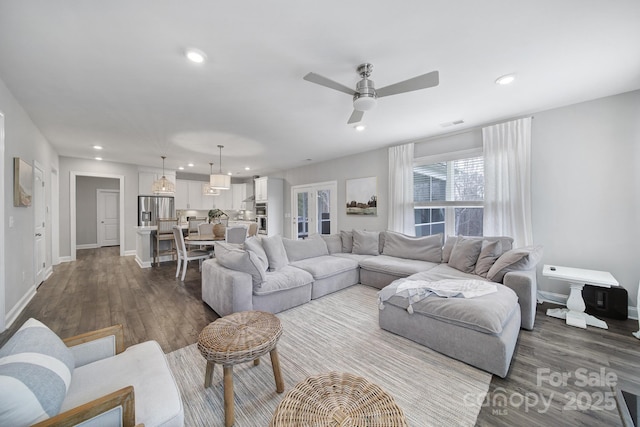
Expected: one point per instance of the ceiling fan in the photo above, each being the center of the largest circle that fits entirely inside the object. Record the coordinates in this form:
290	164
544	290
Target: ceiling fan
365	94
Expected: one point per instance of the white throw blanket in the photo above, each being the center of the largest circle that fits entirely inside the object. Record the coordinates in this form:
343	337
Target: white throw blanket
417	290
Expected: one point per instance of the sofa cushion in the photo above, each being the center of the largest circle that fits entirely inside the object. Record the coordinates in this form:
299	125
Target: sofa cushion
303	249
275	251
145	367
287	277
333	241
515	260
442	272
487	313
254	244
35	374
448	247
326	266
233	258
366	242
352	256
395	266
347	241
490	252
427	248
464	254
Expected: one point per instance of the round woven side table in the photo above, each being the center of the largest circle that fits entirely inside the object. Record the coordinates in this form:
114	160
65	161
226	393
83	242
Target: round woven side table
337	399
237	338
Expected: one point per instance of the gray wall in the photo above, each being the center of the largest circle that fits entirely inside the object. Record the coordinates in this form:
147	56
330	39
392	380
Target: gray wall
87	206
372	163
93	167
24	140
586	188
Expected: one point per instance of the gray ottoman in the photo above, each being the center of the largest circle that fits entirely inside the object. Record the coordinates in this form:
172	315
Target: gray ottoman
480	331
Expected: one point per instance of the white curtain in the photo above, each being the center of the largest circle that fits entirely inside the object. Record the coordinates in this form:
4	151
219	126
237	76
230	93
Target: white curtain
507	177
401	217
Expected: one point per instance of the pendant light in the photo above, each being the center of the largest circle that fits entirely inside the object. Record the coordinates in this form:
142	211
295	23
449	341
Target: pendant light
220	181
207	189
163	185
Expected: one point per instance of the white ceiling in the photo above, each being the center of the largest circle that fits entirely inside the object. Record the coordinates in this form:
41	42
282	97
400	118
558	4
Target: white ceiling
113	72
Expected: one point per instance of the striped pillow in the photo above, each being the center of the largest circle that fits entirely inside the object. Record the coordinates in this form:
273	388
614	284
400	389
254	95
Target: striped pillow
35	372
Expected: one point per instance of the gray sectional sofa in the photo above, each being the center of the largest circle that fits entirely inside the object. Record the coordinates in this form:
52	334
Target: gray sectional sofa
274	274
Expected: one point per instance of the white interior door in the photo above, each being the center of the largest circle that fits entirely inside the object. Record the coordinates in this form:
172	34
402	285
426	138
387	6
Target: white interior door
40	210
108	218
315	209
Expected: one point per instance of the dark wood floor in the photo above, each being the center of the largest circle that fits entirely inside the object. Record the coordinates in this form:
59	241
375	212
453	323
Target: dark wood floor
101	288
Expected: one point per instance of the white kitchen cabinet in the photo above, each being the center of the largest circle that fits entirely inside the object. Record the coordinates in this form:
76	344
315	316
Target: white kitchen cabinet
261	190
224	201
181	198
189	196
238	194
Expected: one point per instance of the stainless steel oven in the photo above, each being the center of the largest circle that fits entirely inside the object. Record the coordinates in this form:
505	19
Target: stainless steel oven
261	209
262	224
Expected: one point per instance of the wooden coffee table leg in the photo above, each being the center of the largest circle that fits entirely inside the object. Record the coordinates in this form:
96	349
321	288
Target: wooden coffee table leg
275	362
256	362
208	375
229	415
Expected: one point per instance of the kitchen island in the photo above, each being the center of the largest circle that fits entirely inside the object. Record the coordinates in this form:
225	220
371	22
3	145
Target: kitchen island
145	243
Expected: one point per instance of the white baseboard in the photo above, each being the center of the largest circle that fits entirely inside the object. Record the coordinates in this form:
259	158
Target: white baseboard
13	314
554	298
48	272
143	264
64	259
88	246
130	253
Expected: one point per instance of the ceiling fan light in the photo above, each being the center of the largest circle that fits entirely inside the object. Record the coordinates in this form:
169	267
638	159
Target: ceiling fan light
364	103
220	181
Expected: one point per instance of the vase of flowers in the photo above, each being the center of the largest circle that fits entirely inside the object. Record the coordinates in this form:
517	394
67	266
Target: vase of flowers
215	216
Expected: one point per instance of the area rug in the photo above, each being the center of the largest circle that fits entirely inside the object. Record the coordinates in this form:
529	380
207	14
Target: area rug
338	332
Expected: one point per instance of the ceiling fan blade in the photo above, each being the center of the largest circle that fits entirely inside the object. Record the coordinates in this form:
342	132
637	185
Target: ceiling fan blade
323	81
356	117
420	82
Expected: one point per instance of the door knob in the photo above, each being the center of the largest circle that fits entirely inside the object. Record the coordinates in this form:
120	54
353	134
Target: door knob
38	235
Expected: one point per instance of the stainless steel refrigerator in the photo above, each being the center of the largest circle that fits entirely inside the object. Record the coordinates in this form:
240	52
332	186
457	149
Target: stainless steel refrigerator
150	208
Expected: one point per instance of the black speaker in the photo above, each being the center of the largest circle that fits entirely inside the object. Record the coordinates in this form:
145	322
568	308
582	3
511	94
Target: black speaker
606	302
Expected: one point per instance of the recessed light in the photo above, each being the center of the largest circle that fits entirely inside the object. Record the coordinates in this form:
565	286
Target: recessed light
98	158
181	168
195	55
97	147
360	128
506	79
191	165
229	173
247	168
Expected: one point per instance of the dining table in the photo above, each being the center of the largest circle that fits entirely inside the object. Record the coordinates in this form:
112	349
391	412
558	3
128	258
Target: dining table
202	239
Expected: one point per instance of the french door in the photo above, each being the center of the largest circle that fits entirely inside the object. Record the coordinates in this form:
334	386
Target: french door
314	209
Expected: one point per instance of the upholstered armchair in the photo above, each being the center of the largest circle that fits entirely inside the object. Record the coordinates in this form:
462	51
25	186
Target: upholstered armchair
89	379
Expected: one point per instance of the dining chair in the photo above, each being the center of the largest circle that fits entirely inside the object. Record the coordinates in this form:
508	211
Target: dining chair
194	223
235	234
184	255
253	229
205	229
164	234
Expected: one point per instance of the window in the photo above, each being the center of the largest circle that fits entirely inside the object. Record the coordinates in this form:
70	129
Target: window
448	196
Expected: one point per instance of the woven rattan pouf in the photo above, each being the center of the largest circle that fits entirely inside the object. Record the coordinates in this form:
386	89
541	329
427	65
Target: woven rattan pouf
237	338
337	399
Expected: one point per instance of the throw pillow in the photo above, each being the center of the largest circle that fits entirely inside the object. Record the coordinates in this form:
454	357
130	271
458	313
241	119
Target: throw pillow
347	241
35	373
276	253
254	244
303	249
520	259
365	242
464	254
448	246
490	252
333	241
248	262
426	248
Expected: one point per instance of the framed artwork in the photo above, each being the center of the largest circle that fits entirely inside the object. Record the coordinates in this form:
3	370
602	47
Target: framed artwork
362	196
22	183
